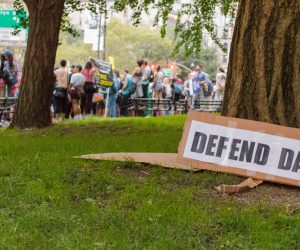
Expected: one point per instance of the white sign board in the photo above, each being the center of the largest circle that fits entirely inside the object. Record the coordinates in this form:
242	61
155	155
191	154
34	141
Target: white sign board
249	148
7	38
91	36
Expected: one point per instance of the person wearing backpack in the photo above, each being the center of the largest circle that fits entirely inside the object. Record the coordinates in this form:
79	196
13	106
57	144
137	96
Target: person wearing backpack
11	72
137	76
127	90
178	87
208	94
198	85
220	84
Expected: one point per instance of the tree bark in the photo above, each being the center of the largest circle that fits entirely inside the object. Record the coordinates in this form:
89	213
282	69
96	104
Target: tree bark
33	108
263	81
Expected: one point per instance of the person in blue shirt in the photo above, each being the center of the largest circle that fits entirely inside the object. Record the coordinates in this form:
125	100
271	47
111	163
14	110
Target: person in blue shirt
208	93
113	94
126	92
199	79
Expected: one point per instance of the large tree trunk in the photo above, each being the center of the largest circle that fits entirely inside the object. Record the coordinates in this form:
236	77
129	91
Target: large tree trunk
33	109
263	81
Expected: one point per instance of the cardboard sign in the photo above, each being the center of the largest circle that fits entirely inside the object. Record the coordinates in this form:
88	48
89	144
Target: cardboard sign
247	148
105	73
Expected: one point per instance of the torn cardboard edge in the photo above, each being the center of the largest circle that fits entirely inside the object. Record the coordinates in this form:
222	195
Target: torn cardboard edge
243	186
168	160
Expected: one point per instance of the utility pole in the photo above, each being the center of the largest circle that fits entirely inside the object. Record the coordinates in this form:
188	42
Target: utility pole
99	34
104	38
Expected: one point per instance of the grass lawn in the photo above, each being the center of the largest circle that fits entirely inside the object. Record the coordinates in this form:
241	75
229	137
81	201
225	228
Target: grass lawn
49	200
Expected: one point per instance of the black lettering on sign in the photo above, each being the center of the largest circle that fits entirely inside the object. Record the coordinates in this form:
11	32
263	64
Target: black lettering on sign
286	159
247	151
199	142
262	154
296	166
221	146
211	144
234	148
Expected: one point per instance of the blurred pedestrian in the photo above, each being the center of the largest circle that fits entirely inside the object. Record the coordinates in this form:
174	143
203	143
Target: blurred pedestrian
137	75
89	88
69	101
220	84
146	79
61	91
126	92
11	72
158	83
198	81
76	91
208	94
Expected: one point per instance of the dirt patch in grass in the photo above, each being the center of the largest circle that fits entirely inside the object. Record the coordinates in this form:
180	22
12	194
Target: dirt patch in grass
269	194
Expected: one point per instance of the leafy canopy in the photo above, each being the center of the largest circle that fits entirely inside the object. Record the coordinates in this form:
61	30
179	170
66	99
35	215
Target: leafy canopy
193	17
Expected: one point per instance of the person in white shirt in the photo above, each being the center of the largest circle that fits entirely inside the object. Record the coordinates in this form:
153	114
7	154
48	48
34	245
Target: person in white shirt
76	91
220	84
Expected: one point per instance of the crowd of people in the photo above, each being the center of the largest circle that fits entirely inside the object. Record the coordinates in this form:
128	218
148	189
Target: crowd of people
77	94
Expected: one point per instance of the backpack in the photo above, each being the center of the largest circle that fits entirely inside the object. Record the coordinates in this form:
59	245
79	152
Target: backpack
178	88
132	88
205	87
209	89
151	76
9	75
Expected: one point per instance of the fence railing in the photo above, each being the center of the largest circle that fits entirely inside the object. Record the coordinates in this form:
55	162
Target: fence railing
167	106
136	106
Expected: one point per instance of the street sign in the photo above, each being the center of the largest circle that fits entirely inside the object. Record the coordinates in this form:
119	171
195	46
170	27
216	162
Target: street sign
7	39
10	19
91	36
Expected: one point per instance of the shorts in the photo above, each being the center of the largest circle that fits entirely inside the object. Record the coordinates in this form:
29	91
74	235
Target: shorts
60	104
76	93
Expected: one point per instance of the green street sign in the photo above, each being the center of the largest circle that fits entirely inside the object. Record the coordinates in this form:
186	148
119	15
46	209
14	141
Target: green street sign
10	19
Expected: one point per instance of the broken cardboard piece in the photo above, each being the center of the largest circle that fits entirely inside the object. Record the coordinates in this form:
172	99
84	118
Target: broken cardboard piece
168	160
259	150
245	185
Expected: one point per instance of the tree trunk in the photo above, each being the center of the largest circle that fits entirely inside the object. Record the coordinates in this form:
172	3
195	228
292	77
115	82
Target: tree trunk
263	81
33	109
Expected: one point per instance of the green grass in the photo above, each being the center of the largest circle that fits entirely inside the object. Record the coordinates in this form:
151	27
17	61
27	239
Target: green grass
49	200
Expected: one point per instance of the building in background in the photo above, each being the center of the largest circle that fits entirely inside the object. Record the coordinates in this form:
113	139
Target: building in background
223	31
